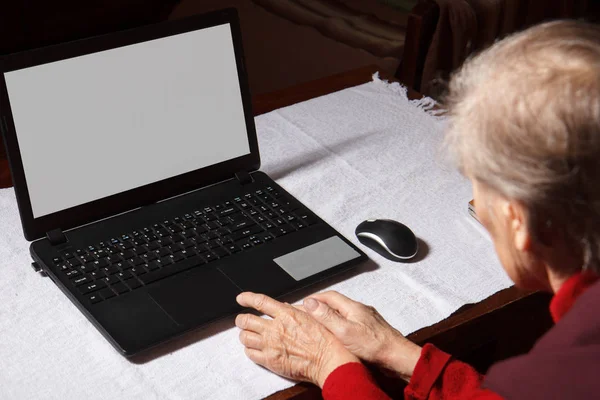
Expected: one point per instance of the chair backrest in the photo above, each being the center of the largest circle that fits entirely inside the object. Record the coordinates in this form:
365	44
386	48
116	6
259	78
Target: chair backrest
431	54
420	28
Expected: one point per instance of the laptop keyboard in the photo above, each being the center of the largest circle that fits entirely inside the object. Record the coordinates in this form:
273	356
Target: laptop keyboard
131	260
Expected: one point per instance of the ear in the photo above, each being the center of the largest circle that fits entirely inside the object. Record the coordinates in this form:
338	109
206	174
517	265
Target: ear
516	218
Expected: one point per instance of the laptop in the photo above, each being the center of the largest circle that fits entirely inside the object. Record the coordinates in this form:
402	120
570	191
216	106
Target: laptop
136	170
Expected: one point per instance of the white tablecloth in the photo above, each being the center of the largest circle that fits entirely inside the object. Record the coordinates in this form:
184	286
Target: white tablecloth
364	152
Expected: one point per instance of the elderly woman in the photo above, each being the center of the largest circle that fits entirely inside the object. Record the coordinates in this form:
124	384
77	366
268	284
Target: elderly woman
525	129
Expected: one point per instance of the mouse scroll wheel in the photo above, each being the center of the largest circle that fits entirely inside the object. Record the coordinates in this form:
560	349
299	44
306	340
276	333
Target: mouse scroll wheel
371	220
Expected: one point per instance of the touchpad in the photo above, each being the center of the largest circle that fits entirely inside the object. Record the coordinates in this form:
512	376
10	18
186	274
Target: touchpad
316	258
197	296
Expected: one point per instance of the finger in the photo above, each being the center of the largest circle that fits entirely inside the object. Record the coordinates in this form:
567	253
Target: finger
251	340
326	315
256	355
262	303
337	301
251	322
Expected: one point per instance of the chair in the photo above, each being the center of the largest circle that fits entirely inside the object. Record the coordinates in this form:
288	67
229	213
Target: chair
440	52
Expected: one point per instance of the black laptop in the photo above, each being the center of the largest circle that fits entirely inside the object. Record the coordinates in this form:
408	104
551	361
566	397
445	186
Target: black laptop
135	163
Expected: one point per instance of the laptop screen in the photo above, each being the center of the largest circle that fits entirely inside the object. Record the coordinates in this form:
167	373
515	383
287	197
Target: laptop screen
96	125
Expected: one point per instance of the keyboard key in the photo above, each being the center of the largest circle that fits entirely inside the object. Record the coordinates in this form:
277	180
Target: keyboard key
57	260
81	280
106	293
208	256
73	273
233	248
95	298
95	275
101	263
212	225
140	250
163	252
190	233
187	225
236	226
89	267
177	238
115	258
139	270
139	241
200	229
92	287
175	228
124	265
246	232
266	237
189	252
148	257
227	211
201	238
308	218
67	255
110	280
211	244
279	221
224	221
177	257
64	266
220	252
182	266
124	275
298	225
133	283
268	225
173	248
113	250
86	258
153	265
127	254
120	288
100	254
111	270
166	261
186	244
153	246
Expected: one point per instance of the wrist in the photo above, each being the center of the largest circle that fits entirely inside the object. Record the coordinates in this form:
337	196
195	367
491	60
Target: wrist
401	357
329	365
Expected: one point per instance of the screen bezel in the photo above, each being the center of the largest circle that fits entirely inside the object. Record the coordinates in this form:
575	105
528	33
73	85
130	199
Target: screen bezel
35	228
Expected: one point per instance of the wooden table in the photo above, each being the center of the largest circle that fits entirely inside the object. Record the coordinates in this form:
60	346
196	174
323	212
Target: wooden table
496	328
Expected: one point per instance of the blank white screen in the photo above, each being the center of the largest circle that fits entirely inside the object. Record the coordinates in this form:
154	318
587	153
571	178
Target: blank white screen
100	124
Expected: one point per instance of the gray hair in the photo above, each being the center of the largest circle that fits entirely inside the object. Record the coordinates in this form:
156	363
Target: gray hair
524	119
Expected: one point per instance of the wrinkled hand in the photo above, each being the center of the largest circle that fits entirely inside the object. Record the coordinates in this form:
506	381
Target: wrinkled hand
364	332
292	344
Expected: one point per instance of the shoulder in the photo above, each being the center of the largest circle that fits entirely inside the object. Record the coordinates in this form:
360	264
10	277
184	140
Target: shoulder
564	362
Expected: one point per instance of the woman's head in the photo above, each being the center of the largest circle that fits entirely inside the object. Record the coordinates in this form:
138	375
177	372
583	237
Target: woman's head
525	128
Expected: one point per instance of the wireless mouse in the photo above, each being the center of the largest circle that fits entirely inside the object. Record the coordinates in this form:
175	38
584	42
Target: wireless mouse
391	239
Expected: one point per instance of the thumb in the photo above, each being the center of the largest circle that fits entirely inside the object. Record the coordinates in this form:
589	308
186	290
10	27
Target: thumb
325	315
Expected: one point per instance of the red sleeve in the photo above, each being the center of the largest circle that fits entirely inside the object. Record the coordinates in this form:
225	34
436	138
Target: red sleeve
437	376
352	381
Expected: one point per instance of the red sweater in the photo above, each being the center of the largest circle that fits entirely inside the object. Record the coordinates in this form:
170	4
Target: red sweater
437	375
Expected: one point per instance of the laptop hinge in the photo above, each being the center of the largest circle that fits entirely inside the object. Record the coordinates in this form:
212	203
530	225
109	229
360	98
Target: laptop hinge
244	177
56	237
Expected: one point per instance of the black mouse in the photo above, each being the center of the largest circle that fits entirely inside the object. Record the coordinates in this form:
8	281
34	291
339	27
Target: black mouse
391	239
